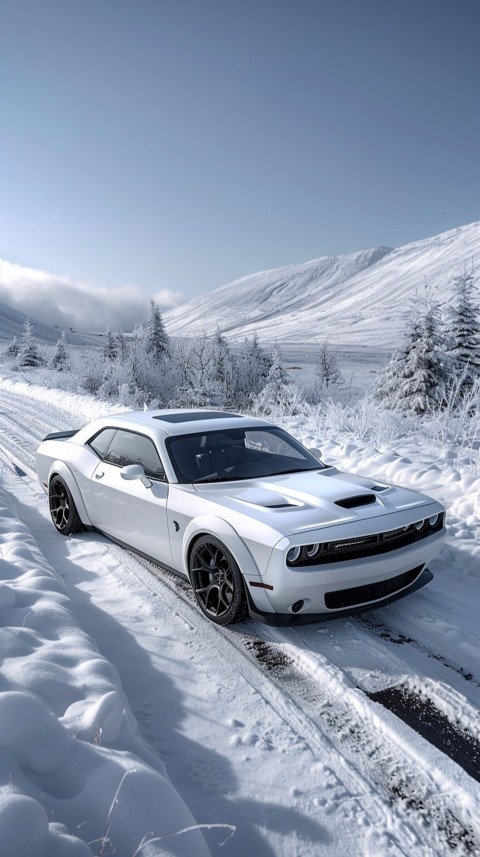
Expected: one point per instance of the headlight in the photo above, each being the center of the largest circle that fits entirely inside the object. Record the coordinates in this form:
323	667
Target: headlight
433	520
293	554
420	525
312	550
304	554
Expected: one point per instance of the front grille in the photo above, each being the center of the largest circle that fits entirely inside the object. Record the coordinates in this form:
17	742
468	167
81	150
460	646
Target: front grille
371	591
357	547
362	542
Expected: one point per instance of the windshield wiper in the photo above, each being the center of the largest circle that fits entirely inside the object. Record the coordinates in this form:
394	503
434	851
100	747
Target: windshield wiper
227	478
294	470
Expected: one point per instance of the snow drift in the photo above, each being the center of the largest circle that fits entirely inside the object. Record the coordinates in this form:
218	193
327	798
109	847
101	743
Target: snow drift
74	771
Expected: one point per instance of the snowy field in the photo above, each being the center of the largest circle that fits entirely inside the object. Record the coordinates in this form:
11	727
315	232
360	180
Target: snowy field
358	365
130	725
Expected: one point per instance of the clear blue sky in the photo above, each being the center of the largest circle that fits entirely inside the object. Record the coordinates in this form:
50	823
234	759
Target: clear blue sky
179	144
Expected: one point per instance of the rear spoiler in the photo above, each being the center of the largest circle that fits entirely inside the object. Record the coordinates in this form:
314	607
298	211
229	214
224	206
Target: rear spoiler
61	435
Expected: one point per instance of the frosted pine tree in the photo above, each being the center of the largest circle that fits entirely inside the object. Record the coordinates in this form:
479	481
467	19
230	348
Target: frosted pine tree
225	368
419	376
29	355
110	347
386	382
397	369
463	330
13	349
156	337
61	356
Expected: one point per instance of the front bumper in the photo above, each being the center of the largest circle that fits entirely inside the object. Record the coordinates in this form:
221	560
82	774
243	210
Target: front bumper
345	585
291	619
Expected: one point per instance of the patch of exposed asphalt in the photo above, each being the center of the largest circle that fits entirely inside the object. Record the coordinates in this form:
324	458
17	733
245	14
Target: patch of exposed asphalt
19	471
419	712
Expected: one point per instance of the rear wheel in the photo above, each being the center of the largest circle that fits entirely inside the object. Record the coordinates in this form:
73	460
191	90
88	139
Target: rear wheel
217	582
62	508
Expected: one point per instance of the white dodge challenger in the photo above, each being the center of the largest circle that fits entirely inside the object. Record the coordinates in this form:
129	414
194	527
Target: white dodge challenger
253	519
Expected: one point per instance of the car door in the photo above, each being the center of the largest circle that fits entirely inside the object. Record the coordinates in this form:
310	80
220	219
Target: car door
128	510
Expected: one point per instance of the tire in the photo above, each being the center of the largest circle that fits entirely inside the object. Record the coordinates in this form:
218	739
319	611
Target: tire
217	582
62	508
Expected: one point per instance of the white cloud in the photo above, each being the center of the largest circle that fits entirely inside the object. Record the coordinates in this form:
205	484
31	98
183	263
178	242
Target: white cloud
166	299
61	301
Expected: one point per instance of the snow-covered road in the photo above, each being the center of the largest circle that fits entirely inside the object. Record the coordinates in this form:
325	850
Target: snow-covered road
282	734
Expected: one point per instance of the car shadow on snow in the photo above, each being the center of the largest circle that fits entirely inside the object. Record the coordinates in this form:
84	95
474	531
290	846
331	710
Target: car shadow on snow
204	777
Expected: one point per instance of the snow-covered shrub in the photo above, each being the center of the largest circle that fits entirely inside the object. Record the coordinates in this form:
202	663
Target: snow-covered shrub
459	422
147	369
151	378
252	366
327	369
90	374
278	396
110	346
365	420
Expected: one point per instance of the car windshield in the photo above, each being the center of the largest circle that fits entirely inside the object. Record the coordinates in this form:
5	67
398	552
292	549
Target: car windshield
231	454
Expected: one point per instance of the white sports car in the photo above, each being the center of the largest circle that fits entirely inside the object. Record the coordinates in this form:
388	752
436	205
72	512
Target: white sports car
254	520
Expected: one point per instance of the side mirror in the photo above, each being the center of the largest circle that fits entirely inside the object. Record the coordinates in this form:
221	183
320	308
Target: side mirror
316	452
135	471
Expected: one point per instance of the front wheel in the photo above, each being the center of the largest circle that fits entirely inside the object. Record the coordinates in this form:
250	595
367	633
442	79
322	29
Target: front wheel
62	508
217	582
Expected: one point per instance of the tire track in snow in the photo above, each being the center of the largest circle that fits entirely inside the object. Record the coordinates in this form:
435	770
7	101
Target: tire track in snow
317	699
385	632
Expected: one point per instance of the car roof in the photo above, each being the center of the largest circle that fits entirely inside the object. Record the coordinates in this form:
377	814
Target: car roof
175	421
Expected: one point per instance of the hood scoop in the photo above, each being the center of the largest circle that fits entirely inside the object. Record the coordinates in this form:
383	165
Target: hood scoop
358	500
266	498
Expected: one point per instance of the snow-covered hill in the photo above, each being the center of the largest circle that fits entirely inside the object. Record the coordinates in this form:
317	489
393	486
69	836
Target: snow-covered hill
357	298
12	321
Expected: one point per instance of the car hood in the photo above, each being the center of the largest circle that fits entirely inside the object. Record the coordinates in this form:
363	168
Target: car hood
305	501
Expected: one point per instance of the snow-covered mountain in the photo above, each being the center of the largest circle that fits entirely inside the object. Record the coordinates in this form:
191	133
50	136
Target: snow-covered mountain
356	298
12	321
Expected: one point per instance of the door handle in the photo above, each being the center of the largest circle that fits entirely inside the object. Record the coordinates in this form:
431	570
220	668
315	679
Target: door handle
99	475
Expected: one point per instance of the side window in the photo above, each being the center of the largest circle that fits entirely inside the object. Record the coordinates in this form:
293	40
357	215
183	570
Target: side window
128	447
101	441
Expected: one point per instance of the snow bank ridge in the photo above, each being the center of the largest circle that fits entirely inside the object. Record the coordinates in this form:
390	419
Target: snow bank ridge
75	776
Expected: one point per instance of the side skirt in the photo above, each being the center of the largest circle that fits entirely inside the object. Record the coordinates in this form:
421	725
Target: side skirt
140	553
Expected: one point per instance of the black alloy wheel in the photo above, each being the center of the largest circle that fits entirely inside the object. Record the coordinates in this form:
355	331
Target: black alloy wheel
217	582
62	508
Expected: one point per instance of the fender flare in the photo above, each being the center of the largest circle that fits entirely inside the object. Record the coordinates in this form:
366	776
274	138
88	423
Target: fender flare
59	468
214	526
221	529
